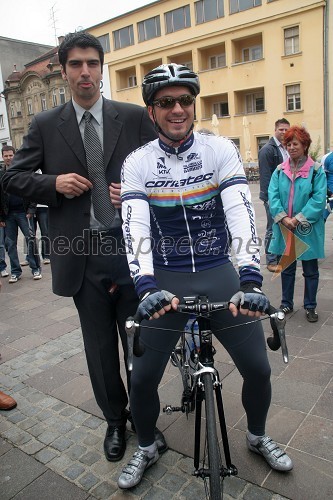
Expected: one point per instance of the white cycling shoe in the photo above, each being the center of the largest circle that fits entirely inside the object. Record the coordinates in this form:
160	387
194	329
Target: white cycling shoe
133	472
272	453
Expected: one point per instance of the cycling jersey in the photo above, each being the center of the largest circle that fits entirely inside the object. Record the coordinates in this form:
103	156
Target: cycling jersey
183	208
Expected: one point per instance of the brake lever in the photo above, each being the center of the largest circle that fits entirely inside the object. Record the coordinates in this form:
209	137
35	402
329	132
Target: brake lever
134	346
278	322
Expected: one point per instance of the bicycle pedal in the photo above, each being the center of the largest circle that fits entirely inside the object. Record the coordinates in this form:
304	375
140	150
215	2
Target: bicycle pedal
171	409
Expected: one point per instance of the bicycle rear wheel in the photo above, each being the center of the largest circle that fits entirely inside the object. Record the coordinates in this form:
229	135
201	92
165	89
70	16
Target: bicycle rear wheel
213	451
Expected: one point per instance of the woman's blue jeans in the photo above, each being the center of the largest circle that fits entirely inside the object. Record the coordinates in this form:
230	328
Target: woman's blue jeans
311	280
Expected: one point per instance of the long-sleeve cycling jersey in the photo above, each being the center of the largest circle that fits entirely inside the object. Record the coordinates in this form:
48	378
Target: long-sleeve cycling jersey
183	209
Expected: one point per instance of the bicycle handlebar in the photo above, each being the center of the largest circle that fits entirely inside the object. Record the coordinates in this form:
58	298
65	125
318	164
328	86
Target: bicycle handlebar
195	306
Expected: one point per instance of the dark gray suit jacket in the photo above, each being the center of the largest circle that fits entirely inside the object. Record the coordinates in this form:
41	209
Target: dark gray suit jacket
54	145
269	158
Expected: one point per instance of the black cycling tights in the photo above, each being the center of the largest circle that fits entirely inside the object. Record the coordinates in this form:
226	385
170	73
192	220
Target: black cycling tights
245	344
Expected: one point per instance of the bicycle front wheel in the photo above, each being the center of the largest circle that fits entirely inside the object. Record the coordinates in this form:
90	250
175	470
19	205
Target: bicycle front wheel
213	451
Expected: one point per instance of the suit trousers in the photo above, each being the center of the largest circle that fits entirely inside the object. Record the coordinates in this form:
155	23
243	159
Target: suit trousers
102	315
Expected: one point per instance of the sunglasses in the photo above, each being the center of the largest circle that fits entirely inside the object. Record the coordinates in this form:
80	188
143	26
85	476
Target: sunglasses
169	102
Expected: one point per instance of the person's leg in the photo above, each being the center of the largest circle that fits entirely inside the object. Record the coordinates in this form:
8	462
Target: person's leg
270	257
27	229
97	313
288	285
42	219
11	235
311	279
246	345
3	264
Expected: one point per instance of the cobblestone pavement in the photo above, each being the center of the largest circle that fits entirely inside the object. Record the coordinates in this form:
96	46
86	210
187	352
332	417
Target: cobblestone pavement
51	444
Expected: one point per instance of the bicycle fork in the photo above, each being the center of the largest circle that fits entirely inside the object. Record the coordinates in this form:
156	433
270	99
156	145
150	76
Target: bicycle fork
229	469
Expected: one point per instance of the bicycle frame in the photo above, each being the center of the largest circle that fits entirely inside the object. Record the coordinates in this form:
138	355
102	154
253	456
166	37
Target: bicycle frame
194	391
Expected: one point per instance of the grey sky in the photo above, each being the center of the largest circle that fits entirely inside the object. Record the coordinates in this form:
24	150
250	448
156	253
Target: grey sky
32	21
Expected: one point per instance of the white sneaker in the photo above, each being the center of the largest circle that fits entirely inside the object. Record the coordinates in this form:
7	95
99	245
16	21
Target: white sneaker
271	452
24	263
37	275
46	261
14	279
4	273
132	474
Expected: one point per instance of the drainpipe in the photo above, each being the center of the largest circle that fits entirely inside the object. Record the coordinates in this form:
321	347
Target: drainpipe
326	80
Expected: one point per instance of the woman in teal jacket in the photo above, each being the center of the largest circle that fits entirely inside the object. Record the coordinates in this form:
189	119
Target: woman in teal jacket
297	196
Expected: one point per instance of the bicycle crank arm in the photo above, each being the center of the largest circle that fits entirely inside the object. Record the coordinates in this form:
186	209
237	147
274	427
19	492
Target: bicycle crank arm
170	409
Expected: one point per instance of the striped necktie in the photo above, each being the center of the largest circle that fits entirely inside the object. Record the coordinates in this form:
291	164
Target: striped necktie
104	210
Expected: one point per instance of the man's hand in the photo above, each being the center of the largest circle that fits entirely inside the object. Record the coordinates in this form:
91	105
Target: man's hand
2	224
72	185
252	301
114	189
156	303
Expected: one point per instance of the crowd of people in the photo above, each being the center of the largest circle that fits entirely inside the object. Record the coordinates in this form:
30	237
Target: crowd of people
81	169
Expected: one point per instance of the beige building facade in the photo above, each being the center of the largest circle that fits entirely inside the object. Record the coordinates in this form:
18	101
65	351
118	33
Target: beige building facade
35	89
258	60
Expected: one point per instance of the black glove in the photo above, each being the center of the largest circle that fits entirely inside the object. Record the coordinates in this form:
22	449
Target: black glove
251	297
152	301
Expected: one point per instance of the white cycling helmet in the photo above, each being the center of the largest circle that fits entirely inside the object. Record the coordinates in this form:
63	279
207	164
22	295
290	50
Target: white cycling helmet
168	75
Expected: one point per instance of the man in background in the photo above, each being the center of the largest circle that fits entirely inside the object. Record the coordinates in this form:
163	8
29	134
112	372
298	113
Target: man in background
16	212
270	156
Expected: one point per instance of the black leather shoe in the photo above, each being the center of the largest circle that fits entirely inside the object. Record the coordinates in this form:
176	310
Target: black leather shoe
159	437
160	441
115	442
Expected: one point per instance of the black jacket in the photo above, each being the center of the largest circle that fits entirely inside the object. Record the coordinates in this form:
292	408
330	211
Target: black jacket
54	145
29	206
269	158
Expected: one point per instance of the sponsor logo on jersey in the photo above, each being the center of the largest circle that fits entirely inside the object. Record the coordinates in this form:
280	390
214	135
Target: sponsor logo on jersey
193	166
206	205
181	183
162	170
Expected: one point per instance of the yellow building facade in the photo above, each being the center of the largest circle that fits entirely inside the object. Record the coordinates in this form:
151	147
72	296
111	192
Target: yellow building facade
258	60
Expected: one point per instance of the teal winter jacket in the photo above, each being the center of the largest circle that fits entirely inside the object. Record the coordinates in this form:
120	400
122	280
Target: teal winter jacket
303	197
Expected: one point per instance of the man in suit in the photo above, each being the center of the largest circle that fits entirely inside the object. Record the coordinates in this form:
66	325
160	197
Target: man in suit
88	258
269	157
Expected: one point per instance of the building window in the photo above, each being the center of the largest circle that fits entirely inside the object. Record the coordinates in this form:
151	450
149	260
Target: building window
239	5
178	19
208	10
12	111
217	61
291	40
150	28
29	107
252	53
105	42
254	103
221	109
188	64
132	81
261	141
293	97
2	123
235	140
62	95
43	102
123	37
54	98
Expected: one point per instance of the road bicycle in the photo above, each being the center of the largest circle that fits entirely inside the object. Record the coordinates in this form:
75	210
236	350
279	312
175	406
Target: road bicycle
194	357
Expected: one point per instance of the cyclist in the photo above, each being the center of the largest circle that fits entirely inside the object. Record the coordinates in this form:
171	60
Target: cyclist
185	200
